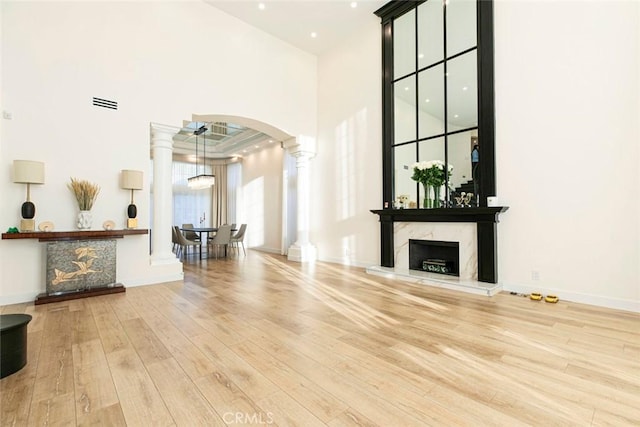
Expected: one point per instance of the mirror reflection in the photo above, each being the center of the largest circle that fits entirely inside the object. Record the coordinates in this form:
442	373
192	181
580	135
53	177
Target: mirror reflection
404	109
431	101
462	92
405	187
461	26
431	34
404	45
446	107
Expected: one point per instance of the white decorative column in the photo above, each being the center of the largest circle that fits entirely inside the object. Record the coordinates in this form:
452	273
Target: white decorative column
303	149
162	147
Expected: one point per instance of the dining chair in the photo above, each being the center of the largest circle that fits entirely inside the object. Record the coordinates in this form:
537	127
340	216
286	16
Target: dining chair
184	243
174	240
222	238
239	238
191	235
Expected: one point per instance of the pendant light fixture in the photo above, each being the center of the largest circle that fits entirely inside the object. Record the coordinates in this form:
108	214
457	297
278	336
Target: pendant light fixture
202	180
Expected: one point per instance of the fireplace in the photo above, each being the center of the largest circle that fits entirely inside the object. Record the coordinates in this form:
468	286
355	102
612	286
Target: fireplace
434	256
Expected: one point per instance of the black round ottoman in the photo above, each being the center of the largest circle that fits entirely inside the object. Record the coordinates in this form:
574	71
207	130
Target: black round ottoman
13	342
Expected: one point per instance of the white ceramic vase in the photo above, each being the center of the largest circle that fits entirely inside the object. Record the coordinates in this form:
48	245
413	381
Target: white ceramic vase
84	220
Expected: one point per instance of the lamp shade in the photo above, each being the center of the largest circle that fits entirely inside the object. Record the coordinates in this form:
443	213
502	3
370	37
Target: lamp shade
132	180
28	172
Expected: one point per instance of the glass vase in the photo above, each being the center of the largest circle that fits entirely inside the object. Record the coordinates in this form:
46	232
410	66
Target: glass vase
436	196
427	203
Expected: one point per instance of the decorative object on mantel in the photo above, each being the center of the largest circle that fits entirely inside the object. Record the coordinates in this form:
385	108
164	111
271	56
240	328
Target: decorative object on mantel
28	172
464	200
85	193
403	201
109	225
132	180
13	230
46	226
432	176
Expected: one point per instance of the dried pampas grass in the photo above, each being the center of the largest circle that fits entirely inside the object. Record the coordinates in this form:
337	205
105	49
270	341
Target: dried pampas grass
85	192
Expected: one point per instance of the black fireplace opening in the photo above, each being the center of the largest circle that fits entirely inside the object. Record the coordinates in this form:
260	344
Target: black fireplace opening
434	256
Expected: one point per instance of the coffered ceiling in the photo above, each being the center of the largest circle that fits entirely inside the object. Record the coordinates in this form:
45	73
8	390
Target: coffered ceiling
219	140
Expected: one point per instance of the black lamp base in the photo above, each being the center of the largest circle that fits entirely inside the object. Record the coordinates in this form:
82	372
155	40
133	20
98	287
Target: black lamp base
28	210
132	212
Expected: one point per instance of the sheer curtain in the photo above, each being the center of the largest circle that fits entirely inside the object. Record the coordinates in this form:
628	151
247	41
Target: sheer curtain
219	201
190	206
234	189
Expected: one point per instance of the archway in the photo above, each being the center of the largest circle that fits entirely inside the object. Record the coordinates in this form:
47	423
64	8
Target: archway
295	203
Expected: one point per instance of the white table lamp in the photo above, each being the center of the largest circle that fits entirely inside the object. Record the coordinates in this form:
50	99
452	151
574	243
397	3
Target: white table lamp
132	180
28	172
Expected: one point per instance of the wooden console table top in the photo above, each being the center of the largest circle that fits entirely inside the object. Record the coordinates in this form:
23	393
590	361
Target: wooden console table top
47	236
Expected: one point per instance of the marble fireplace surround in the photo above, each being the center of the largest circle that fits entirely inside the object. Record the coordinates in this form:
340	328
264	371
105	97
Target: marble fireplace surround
475	229
464	234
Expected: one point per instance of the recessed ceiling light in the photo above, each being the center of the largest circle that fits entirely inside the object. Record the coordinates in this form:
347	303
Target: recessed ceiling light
244	151
354	4
465	88
421	55
255	146
261	6
314	35
427	100
456	116
406	88
271	141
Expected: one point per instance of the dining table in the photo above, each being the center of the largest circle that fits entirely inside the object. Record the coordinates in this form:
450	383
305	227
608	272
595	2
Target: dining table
206	230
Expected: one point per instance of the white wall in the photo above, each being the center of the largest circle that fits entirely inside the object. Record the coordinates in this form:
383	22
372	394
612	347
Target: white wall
163	62
346	176
566	113
567	118
261	206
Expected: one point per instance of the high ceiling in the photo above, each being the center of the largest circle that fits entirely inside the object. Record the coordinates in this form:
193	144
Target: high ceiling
294	20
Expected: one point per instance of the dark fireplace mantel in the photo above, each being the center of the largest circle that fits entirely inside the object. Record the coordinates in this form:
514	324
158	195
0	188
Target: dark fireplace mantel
486	219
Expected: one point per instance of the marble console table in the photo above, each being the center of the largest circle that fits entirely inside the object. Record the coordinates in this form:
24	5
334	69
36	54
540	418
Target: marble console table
63	285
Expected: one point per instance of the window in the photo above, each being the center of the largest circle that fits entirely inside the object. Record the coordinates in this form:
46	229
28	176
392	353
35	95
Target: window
190	206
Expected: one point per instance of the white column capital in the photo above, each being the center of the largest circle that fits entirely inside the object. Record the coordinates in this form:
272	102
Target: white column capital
162	135
300	146
160	128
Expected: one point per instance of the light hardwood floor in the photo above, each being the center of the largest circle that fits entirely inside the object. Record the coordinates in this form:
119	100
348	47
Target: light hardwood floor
257	340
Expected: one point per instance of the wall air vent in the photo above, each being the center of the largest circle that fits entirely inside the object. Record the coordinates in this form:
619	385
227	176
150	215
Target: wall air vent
105	103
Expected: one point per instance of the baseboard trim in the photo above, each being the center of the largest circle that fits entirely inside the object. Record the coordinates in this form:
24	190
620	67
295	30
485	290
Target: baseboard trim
267	250
597	300
18	298
345	261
